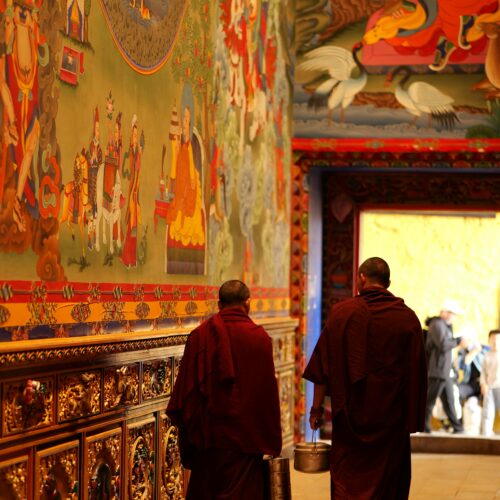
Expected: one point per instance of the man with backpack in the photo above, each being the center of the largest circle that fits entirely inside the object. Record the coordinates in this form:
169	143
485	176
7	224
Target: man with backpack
439	343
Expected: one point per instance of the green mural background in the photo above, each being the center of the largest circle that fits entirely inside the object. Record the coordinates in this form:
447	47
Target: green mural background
244	145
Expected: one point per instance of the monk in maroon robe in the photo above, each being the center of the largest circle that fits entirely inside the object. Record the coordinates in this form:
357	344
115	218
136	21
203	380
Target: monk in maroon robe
370	360
226	403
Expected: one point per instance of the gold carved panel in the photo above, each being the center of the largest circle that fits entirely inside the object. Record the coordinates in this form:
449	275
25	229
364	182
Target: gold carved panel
103	467
283	348
177	365
79	395
290	348
121	386
27	404
14	479
57	472
156	378
141	460
171	471
285	384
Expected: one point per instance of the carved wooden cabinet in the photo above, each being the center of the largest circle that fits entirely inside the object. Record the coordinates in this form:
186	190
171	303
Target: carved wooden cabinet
86	420
103	464
14	477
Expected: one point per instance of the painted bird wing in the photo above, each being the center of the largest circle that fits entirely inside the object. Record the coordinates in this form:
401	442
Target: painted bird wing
327	86
428	96
337	61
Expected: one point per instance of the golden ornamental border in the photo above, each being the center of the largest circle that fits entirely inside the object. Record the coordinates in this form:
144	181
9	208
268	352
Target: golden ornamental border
43	355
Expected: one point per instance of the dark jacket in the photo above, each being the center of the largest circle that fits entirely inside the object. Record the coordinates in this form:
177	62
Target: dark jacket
438	346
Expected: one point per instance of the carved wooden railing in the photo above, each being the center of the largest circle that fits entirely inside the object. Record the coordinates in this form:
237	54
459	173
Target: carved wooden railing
86	415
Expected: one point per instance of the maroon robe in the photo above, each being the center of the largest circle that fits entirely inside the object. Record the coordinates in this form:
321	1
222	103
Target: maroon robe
226	404
371	358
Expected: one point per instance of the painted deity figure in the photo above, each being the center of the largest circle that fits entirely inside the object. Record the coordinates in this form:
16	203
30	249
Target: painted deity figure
235	29
109	186
185	216
113	162
450	28
133	215
19	90
115	146
254	46
94	159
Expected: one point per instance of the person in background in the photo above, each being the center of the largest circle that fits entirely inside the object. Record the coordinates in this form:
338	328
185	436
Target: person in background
438	346
370	360
226	402
490	383
469	365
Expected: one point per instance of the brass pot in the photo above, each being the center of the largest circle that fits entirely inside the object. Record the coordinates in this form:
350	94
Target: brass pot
312	457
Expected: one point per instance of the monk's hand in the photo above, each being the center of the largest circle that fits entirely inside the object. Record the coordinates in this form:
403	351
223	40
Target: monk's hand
316	417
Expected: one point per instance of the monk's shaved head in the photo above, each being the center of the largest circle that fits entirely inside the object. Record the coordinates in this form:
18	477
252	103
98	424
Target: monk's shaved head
233	293
376	271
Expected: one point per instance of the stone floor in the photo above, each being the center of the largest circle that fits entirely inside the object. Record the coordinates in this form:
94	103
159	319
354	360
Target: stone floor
435	477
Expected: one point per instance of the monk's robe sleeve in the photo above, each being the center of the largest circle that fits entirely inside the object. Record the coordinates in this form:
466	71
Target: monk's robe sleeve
272	427
339	358
184	385
317	368
417	393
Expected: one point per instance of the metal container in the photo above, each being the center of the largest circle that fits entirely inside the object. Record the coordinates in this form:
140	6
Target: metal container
278	479
312	457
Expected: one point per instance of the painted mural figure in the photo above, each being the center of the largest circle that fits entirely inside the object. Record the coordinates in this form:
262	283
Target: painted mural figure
112	198
185	216
450	28
235	29
19	92
255	76
280	167
94	163
133	216
74	26
115	143
75	197
252	74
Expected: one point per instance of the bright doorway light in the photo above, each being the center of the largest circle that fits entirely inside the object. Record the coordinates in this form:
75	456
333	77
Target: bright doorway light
439	255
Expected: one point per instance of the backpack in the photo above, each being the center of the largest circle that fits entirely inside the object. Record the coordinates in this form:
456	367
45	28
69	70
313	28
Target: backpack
428	345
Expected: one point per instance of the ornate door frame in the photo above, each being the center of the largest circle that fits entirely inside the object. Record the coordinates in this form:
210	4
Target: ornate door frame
359	174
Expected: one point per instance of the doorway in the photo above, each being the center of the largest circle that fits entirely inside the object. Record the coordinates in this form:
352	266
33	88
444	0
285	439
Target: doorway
345	194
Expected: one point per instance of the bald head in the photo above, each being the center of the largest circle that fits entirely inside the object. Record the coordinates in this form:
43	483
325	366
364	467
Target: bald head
374	272
233	293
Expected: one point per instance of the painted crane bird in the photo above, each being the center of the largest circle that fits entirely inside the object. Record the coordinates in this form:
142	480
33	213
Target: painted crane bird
420	97
341	85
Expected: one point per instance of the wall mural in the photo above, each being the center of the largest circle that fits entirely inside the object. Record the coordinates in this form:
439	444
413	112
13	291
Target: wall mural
251	151
144	31
165	168
404	69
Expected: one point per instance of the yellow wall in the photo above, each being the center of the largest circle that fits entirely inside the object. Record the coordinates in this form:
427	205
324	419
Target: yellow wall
433	257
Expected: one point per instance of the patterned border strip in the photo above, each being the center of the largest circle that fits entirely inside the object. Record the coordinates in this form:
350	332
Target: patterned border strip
298	286
15	359
60	317
396	145
13	291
